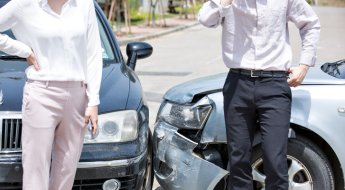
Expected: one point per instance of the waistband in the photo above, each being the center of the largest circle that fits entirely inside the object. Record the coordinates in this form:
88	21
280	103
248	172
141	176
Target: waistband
61	84
261	73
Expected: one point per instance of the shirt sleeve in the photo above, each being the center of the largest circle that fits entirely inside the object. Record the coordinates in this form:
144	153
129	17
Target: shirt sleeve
94	58
8	19
300	13
14	47
212	13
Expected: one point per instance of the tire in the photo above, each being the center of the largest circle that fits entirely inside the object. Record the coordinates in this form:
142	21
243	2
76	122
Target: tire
308	167
148	179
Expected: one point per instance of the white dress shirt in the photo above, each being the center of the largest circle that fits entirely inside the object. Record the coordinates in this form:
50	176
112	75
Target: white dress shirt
67	45
255	33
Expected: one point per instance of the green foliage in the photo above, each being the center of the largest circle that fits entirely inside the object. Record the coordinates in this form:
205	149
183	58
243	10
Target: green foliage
134	4
137	17
189	9
337	3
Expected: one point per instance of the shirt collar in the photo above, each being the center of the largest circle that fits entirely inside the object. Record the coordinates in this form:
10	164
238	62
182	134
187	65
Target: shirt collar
44	3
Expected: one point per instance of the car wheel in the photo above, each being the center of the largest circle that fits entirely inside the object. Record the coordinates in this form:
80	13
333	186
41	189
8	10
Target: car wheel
148	177
308	167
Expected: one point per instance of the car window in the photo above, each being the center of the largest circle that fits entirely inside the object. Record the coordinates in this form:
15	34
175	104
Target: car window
336	69
107	51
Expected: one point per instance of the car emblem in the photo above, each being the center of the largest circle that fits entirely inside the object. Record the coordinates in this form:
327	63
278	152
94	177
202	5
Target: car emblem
1	98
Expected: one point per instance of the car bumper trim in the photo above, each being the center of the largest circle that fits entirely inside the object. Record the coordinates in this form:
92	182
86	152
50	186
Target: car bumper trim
112	163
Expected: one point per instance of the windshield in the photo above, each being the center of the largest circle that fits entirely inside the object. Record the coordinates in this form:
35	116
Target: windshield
336	69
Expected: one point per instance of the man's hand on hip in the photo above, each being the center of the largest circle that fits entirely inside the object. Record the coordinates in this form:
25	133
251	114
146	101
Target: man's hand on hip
298	74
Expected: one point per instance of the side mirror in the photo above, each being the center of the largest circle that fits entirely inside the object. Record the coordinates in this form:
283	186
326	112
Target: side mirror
137	50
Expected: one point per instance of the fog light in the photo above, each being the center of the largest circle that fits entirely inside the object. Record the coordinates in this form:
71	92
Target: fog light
112	184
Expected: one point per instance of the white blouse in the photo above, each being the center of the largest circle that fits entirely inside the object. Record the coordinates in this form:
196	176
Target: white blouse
67	46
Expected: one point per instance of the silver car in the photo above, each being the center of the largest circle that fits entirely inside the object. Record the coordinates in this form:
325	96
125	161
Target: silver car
190	141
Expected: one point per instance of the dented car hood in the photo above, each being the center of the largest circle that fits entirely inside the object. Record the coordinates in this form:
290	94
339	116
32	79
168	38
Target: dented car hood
186	92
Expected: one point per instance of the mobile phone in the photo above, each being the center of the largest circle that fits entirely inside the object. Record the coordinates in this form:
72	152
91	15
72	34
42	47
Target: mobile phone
90	129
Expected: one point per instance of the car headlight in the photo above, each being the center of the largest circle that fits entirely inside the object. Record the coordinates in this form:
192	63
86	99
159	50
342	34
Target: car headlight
121	126
186	116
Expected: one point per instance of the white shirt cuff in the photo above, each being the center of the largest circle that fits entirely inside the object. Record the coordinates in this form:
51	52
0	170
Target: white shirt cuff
308	59
222	10
93	100
26	52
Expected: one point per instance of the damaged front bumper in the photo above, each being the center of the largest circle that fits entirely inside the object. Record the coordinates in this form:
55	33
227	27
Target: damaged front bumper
176	166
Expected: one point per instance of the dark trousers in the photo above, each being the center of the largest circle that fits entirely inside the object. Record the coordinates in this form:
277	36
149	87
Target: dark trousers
248	101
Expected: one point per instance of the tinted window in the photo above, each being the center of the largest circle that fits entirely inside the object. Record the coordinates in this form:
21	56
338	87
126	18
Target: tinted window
107	51
336	69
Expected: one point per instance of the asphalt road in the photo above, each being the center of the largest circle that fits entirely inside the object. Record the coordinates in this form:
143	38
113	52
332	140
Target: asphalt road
196	52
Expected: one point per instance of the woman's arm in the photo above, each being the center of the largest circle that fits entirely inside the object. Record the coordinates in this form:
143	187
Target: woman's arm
94	67
212	12
94	58
8	15
14	47
8	19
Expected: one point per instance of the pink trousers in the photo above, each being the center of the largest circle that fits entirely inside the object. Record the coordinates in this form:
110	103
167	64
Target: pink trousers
52	134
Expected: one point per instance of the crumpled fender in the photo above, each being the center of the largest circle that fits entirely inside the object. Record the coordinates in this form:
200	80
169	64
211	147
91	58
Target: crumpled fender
189	171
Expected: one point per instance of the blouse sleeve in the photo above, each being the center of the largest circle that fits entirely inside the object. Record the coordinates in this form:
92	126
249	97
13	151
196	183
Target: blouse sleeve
94	58
14	47
8	19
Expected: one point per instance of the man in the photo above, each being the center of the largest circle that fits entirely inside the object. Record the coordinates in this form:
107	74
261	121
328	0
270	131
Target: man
256	48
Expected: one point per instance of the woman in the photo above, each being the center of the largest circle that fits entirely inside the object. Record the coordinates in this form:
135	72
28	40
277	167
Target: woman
60	40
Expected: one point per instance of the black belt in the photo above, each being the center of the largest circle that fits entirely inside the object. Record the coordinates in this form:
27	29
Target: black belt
260	73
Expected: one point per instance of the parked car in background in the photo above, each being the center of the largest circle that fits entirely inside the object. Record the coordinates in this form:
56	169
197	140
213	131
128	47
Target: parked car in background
189	140
119	156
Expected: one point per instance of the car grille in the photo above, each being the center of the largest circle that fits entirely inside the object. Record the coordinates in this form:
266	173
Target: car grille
10	135
10	186
127	183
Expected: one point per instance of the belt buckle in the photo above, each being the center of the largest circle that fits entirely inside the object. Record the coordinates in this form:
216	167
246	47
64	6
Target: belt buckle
252	74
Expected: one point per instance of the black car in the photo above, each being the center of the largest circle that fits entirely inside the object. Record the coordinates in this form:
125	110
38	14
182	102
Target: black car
119	156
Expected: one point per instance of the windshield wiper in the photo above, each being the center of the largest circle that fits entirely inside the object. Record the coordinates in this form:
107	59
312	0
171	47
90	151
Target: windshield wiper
11	57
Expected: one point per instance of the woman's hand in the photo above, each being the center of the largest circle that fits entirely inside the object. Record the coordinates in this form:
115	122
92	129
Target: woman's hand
33	61
91	114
